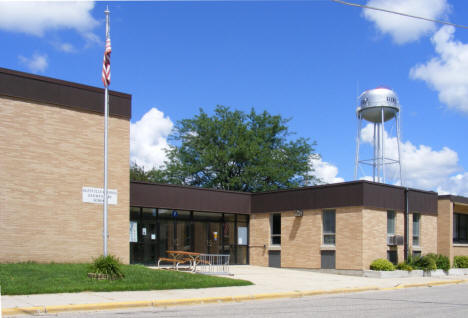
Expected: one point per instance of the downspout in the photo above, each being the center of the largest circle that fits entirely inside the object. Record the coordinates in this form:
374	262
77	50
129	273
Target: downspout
406	245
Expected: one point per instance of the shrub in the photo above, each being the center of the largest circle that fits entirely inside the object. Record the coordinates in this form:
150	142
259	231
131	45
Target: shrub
442	261
460	262
404	267
381	264
426	263
108	265
412	259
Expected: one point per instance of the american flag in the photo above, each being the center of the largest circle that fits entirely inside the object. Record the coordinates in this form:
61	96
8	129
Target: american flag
106	74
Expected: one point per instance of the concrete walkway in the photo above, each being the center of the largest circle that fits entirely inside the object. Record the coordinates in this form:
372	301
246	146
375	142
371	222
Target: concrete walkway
268	283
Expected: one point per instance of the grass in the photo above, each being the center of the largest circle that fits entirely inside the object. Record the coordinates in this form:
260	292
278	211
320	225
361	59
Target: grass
34	278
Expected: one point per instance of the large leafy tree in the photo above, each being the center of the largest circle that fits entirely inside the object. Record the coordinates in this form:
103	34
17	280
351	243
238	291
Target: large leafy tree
233	150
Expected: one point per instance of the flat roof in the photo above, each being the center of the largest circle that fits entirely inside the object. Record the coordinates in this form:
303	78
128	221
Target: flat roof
355	193
57	92
454	198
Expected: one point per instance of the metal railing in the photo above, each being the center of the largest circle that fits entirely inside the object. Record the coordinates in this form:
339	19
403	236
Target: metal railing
214	264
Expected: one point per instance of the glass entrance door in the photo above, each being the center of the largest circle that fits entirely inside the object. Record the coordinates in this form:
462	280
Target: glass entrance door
200	237
214	238
148	234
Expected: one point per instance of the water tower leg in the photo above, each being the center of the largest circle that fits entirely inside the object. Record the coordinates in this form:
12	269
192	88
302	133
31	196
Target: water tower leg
358	141
383	148
397	118
377	155
375	149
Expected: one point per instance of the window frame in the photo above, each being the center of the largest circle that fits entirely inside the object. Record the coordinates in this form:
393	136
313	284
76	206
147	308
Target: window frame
458	228
419	230
273	235
328	233
393	219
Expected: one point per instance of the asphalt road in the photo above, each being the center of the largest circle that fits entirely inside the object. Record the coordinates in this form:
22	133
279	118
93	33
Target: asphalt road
437	301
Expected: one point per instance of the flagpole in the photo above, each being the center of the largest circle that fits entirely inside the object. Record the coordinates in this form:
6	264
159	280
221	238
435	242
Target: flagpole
106	115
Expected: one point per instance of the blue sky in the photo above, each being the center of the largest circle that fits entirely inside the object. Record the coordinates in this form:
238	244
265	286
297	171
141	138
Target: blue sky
304	60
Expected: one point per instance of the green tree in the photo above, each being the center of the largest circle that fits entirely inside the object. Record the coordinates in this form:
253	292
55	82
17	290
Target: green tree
138	173
232	150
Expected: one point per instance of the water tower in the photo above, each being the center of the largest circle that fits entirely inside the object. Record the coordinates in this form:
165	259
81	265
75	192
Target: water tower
378	106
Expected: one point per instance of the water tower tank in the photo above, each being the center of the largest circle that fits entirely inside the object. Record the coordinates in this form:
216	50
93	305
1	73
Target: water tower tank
378	106
373	101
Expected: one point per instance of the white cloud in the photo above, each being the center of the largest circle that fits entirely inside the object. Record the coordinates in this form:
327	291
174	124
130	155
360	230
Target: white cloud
423	167
404	29
457	184
66	47
325	171
37	63
148	139
37	17
448	72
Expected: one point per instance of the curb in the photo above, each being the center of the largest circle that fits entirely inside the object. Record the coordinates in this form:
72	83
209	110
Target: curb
209	300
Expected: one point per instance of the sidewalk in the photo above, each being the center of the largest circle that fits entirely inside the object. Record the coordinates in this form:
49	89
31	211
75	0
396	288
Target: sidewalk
269	283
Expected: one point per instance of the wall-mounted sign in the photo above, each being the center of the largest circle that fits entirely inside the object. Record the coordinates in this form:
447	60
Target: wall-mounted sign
96	195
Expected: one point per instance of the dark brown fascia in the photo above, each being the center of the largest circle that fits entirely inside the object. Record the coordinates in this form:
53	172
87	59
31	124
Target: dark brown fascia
355	193
154	195
454	198
52	91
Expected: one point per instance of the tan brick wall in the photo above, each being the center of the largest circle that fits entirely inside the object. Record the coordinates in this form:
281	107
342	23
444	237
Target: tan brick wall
427	234
259	235
445	228
48	154
374	235
301	238
459	251
349	238
361	237
400	230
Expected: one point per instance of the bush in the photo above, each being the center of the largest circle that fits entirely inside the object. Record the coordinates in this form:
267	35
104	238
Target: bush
442	261
381	264
426	263
108	265
404	267
460	262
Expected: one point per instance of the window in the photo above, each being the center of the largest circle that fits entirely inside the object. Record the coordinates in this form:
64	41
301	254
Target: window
329	221
416	228
390	223
275	222
460	228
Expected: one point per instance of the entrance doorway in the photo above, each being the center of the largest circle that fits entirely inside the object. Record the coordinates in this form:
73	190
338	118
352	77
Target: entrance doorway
160	230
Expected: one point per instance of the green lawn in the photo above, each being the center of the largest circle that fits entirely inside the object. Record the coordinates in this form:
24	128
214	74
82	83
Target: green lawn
33	278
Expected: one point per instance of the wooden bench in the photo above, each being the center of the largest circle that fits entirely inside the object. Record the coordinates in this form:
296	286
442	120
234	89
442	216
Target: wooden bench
175	261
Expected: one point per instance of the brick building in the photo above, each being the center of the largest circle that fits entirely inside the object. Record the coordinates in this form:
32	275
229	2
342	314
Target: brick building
52	153
51	145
